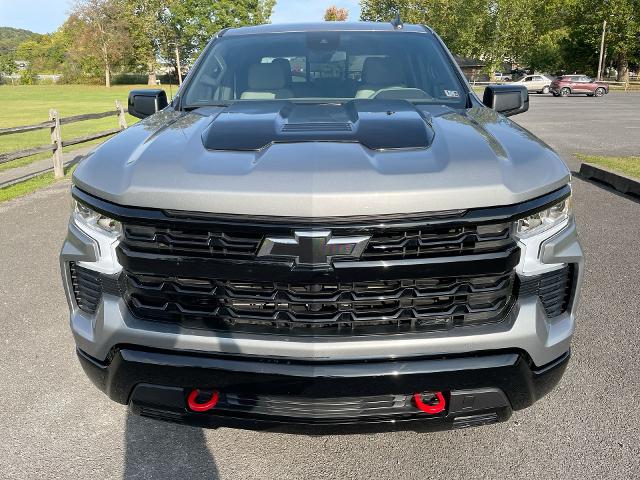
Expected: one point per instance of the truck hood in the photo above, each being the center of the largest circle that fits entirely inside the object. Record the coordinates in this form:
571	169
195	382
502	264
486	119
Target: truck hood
361	158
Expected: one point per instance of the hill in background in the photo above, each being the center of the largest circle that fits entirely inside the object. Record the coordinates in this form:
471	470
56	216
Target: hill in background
10	38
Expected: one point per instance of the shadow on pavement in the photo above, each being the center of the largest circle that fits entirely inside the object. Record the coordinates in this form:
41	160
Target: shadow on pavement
163	450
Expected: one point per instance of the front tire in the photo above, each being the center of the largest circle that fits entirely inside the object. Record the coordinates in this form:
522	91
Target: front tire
545	90
599	92
565	91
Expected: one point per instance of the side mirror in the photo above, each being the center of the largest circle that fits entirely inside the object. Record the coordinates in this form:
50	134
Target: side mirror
144	103
506	99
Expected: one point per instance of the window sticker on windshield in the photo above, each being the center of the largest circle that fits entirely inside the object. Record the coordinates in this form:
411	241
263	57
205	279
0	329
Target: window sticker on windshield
451	93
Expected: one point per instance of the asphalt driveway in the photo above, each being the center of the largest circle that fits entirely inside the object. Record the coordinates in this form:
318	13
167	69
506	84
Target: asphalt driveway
55	424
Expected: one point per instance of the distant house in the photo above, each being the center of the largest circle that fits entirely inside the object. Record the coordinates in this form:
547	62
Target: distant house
472	68
21	64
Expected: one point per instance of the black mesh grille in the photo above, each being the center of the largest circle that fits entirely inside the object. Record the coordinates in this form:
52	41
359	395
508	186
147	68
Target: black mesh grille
385	244
554	289
323	309
319	409
87	287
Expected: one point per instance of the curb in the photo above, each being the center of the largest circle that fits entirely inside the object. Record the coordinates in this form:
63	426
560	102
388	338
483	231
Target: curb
618	181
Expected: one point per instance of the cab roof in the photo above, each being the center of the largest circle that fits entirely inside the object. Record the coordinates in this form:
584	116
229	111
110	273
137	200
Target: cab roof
325	27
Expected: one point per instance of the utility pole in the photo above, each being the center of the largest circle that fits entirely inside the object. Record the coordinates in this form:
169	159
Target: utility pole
178	65
600	61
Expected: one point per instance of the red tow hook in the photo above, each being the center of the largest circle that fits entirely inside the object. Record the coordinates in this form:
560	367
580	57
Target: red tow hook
428	408
202	407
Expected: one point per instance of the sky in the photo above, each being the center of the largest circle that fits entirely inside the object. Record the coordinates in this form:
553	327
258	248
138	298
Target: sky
44	16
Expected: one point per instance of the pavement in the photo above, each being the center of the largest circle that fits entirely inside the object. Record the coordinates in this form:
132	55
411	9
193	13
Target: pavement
55	424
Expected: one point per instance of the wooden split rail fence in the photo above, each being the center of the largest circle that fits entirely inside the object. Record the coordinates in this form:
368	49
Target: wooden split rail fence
55	124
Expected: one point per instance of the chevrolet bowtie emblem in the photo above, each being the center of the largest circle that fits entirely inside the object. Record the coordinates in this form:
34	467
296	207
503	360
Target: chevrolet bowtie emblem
313	248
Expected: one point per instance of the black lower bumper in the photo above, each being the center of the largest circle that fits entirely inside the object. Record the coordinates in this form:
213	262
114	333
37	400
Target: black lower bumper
274	394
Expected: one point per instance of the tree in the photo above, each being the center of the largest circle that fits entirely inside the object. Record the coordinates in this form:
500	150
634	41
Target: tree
495	31
335	14
165	29
195	22
7	65
45	53
149	30
101	31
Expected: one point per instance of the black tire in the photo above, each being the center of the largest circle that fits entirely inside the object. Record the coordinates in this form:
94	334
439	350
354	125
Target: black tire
600	91
565	91
555	94
545	90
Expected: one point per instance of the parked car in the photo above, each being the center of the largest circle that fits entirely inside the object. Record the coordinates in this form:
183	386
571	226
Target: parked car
262	252
535	83
502	77
578	84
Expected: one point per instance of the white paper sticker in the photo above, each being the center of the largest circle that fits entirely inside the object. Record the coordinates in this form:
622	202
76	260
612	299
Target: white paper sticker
452	93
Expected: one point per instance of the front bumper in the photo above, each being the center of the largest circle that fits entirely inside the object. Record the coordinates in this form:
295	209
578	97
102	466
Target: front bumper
479	389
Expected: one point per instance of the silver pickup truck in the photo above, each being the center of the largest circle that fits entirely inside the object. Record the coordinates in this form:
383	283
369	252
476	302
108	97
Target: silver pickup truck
325	226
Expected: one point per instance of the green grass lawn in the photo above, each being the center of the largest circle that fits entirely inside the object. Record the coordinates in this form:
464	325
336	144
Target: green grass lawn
628	165
29	104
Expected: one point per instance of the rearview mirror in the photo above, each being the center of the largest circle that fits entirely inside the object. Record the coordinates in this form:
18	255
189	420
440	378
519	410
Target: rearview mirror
144	103
507	99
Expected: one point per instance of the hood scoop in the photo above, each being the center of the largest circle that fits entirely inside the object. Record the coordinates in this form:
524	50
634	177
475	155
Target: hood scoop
376	124
317	127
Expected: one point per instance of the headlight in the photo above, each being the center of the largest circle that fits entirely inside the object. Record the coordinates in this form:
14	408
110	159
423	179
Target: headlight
85	217
544	220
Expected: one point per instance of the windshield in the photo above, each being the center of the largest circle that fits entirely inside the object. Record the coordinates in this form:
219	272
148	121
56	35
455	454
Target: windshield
325	66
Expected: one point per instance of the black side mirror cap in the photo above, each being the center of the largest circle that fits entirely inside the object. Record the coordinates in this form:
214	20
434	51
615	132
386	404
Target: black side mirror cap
507	99
144	103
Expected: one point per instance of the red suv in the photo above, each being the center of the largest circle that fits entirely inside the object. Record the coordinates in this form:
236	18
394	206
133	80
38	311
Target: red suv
572	84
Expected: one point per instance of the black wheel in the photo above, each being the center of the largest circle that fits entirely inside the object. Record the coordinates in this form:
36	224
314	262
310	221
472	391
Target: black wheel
555	94
545	90
565	91
599	92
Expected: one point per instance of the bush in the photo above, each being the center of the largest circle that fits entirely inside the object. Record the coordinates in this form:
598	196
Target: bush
129	79
141	79
28	77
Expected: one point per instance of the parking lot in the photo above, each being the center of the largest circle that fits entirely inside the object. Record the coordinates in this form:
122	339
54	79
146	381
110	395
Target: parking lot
55	424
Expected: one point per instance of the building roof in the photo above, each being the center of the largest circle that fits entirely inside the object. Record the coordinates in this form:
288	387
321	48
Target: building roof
324	27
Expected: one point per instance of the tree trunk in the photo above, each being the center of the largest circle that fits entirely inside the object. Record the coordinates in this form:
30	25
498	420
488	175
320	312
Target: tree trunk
152	74
107	76
623	68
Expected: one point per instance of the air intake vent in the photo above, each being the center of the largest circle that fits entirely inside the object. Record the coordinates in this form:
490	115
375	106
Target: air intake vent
317	127
89	285
87	288
553	288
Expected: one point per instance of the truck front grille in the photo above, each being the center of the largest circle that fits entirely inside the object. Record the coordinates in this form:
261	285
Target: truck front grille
415	275
225	242
436	303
